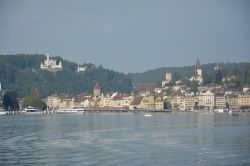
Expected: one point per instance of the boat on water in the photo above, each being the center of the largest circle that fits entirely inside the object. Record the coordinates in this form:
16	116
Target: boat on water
69	110
147	115
3	113
32	110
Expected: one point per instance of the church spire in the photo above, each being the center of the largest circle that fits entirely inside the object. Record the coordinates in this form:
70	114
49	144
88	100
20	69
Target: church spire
198	64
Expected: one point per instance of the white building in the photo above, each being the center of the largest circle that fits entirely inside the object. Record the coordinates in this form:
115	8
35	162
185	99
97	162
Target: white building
168	78
51	65
81	68
198	73
206	99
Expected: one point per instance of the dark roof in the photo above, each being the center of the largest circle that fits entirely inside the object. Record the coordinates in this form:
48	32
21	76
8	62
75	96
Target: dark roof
137	100
145	87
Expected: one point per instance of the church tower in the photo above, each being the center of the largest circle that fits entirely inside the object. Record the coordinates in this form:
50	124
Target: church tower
198	70
97	90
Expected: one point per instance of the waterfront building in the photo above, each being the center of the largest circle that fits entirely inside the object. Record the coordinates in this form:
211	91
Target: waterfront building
159	103
206	99
189	102
148	102
220	101
232	100
137	102
66	102
178	101
51	64
244	99
53	101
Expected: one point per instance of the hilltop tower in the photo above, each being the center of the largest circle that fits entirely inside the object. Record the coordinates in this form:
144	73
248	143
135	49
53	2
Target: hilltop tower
168	78
97	90
198	70
198	73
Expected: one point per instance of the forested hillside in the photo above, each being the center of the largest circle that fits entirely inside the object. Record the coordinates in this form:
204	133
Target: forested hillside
152	76
22	73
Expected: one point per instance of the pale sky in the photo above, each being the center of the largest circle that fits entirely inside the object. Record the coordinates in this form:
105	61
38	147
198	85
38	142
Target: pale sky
128	35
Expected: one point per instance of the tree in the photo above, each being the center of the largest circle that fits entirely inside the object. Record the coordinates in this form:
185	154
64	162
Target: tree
207	78
218	77
167	104
10	101
34	102
194	86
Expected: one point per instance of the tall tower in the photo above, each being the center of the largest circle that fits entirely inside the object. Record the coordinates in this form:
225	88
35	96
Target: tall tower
97	90
198	70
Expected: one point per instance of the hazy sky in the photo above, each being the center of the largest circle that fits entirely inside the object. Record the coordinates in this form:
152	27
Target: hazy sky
128	35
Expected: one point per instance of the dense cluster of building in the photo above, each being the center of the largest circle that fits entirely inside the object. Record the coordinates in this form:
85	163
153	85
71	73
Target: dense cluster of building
156	98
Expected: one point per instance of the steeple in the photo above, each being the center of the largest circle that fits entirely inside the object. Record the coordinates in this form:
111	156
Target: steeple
198	64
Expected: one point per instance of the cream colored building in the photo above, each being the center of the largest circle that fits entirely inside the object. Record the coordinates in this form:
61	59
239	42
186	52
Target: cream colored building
148	102
189	102
244	99
232	100
53	101
67	102
220	101
206	99
178	102
159	103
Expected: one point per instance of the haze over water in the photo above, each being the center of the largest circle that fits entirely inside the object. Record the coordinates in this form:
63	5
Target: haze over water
126	139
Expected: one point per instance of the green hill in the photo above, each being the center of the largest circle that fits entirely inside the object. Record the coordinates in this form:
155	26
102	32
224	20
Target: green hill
22	73
155	75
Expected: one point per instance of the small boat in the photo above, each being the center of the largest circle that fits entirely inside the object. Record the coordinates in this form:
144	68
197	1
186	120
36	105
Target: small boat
3	113
147	115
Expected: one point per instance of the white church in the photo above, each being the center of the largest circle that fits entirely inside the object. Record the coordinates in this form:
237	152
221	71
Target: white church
198	73
51	64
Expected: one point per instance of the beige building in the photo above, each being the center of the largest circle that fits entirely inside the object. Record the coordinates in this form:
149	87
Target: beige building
206	99
220	101
244	99
178	101
66	102
232	100
189	102
148	102
159	103
53	101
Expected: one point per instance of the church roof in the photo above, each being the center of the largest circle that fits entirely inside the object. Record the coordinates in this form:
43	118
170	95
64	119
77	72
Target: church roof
198	64
97	86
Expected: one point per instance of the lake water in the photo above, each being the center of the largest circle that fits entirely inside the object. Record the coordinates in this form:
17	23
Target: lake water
175	139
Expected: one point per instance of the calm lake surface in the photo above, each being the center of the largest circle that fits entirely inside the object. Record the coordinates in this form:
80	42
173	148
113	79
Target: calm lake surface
176	139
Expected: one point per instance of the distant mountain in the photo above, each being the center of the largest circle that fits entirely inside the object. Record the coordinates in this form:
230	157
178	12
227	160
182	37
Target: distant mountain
152	76
22	73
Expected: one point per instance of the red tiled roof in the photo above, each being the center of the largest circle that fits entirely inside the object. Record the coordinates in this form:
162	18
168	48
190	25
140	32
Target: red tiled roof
97	86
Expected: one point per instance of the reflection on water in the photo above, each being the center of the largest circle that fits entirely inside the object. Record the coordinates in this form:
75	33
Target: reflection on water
125	139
